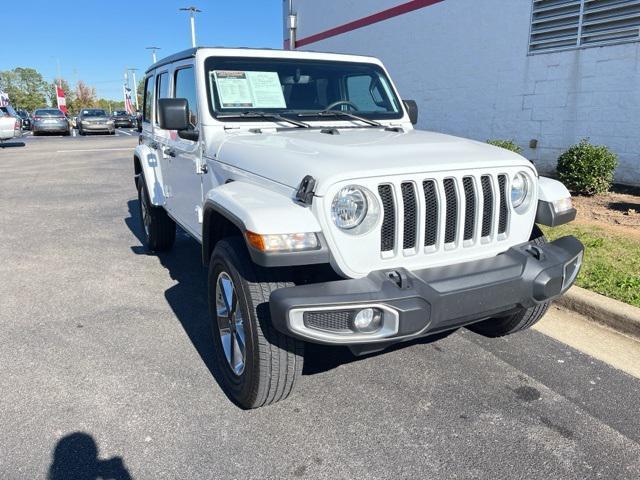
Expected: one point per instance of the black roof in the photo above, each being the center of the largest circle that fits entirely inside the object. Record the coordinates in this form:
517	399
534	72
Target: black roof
191	52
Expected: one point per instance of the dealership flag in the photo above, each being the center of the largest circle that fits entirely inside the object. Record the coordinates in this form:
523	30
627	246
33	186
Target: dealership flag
127	100
62	103
4	99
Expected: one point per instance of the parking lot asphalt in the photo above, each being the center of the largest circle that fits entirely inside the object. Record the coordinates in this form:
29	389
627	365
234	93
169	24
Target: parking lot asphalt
106	365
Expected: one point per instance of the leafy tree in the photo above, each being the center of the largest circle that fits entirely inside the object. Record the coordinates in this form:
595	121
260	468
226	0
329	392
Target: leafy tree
85	95
26	88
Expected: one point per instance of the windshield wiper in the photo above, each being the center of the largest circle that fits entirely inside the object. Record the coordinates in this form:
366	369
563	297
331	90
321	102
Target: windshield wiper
265	115
337	113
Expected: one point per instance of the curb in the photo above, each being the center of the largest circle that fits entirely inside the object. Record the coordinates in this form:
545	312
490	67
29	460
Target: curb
612	313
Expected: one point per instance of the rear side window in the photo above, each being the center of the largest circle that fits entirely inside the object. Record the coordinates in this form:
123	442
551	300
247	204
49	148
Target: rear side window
148	99
185	87
162	89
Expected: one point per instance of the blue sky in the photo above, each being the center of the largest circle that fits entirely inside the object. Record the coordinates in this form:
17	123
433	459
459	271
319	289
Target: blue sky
96	39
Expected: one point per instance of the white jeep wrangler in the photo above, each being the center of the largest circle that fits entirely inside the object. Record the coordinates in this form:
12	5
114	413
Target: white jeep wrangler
325	217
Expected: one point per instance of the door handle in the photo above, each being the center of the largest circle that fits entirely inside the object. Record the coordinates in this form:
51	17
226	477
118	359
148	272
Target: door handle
170	152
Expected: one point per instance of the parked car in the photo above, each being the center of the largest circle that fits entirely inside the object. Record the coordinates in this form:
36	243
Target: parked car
50	120
122	119
326	217
95	120
10	123
26	119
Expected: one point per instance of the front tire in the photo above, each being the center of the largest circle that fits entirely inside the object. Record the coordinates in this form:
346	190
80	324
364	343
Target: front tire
259	365
159	228
521	320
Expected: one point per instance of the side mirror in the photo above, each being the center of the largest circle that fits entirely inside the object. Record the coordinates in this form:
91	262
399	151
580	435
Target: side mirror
173	113
412	110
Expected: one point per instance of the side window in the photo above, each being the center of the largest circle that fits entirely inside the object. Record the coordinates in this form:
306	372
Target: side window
162	89
185	83
148	99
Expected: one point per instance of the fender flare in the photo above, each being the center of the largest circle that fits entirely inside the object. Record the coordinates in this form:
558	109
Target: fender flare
150	170
250	207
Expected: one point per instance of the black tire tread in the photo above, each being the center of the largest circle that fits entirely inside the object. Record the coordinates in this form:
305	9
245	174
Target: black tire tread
522	320
162	231
281	357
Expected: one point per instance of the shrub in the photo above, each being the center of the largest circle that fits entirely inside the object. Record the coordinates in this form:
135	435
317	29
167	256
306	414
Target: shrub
586	168
508	144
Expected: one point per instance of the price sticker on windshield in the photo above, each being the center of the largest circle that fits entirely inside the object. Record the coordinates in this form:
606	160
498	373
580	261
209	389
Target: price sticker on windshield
238	89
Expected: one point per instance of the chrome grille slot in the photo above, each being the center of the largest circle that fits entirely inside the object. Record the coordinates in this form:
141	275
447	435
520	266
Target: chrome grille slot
504	209
425	216
431	213
451	220
469	208
410	204
487	201
388	233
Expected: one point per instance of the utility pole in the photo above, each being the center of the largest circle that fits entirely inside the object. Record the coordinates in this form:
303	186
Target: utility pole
135	85
192	14
292	23
153	52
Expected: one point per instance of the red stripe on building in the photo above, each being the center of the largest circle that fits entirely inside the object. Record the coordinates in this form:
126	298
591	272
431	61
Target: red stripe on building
371	19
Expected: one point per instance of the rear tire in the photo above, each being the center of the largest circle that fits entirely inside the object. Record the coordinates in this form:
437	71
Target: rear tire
521	320
272	362
159	229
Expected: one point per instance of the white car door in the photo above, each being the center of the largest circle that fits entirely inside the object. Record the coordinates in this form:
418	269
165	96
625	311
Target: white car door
185	174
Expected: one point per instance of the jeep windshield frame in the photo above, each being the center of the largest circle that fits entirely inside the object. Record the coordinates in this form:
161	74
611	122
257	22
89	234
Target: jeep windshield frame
295	88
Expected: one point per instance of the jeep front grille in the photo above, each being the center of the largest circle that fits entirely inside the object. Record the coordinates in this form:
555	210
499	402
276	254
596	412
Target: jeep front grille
446	213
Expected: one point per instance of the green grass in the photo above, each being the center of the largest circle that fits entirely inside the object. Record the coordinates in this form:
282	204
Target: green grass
611	261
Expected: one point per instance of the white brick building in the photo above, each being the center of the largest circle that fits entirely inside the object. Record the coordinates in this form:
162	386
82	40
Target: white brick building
551	70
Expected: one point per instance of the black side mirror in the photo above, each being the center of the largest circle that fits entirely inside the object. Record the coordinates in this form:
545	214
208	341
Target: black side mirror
173	113
412	110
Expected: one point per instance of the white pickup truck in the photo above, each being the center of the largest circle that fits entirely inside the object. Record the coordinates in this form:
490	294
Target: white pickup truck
325	217
10	124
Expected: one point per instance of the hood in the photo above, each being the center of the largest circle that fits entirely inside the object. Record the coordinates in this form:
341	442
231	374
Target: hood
287	156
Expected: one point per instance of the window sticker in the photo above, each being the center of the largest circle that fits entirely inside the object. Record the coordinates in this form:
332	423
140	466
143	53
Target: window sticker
238	89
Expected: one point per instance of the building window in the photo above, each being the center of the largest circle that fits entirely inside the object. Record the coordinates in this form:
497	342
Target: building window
562	24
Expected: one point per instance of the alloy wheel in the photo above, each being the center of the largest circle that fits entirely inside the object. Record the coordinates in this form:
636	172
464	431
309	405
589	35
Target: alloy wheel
230	323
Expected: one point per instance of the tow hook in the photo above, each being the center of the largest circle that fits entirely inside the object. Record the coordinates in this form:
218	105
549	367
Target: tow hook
400	279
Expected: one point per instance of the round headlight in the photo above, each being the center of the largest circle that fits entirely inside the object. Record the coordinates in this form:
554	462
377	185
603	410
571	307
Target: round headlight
349	207
519	189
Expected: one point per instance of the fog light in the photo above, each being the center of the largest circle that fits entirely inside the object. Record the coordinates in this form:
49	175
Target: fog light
367	320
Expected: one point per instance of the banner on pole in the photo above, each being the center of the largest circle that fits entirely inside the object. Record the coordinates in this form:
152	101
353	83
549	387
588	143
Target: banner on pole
62	102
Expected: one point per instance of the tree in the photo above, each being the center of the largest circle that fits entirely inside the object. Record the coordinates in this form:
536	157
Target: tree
85	95
26	88
140	90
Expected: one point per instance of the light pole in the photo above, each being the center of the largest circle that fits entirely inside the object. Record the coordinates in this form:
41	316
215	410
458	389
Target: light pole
192	14
153	52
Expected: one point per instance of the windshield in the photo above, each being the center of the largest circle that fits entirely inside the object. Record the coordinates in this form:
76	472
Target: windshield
119	113
290	87
93	113
49	112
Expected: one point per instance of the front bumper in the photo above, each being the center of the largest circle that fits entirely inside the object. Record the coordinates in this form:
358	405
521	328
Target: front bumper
98	127
425	302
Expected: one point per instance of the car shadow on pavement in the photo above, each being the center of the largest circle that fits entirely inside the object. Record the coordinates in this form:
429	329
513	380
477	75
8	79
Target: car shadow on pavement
188	297
188	300
12	144
76	457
